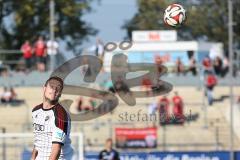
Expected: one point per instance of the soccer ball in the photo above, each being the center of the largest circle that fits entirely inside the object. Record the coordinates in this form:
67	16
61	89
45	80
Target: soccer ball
174	15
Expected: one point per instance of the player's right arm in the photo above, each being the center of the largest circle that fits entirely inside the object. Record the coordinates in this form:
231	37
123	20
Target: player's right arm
34	153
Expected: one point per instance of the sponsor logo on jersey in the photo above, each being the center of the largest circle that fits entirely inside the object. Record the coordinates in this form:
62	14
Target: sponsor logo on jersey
38	127
47	118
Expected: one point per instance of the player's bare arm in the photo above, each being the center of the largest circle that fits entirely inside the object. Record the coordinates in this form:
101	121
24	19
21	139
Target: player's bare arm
34	154
56	149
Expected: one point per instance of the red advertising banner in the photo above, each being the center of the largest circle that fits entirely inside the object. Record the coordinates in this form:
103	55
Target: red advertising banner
136	137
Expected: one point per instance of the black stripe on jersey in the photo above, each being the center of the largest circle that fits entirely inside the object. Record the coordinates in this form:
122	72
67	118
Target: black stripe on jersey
37	107
61	118
58	142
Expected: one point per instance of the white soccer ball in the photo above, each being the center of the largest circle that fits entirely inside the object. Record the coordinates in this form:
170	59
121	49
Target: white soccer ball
174	15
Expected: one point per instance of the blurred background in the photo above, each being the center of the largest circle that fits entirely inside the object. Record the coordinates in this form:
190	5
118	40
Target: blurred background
198	119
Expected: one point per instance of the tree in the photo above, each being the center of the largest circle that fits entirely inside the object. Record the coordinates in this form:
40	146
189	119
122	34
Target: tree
27	19
148	17
205	19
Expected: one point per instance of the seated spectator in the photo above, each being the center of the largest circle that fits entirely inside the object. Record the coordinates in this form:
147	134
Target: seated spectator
147	84
85	105
121	86
179	66
178	108
164	110
207	65
13	96
193	66
159	62
225	67
217	65
5	96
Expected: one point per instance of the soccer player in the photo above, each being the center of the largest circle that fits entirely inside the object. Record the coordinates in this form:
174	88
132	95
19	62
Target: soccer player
51	125
108	153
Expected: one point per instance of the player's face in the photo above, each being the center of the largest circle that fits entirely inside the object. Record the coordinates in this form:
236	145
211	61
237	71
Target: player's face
53	90
109	144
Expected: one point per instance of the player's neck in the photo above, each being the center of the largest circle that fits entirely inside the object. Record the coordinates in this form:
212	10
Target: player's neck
108	149
47	105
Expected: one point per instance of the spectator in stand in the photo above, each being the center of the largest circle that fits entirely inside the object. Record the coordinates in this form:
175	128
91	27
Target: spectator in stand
41	54
211	82
147	84
85	105
158	62
27	49
179	66
163	109
193	66
13	96
121	86
225	67
5	96
217	65
178	108
207	65
52	50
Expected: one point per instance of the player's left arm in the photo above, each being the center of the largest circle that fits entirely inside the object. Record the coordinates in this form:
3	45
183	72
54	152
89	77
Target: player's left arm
55	152
59	133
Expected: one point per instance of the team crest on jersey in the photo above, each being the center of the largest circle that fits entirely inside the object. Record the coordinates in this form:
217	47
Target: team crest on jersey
47	118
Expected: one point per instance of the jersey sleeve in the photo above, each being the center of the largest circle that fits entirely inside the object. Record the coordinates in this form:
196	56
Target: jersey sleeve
116	156
60	127
100	155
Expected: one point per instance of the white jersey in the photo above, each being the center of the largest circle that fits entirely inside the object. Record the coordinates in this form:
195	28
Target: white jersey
51	126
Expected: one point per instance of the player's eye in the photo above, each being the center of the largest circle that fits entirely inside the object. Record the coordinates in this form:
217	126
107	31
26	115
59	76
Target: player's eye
55	88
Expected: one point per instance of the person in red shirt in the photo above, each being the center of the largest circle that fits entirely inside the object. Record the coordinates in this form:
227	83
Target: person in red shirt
40	53
164	110
147	84
178	108
207	64
158	61
210	83
26	49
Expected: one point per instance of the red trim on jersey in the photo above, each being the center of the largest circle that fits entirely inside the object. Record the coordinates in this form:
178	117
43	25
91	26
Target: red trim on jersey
61	119
37	107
